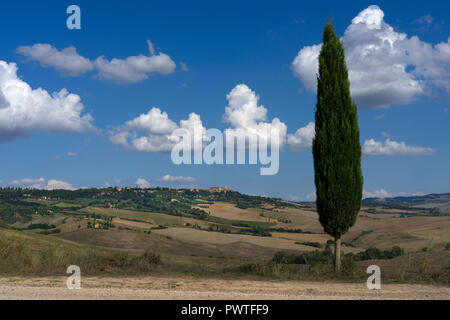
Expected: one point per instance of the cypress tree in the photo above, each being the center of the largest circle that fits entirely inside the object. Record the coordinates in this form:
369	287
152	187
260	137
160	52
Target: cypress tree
336	145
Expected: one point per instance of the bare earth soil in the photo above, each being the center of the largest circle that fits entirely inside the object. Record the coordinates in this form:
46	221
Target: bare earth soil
177	288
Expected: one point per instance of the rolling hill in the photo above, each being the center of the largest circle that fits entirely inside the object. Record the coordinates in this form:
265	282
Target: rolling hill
216	231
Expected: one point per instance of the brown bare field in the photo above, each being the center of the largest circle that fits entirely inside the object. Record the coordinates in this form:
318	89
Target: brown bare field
300	219
411	233
231	212
386	230
132	224
180	250
186	234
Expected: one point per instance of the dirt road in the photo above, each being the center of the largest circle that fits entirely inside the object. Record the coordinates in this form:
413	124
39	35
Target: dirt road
190	288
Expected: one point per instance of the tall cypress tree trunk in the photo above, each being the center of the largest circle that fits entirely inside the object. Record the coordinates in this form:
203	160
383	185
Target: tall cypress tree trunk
336	144
337	255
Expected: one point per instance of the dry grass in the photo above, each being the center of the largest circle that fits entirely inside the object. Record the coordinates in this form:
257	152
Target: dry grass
174	249
231	212
34	254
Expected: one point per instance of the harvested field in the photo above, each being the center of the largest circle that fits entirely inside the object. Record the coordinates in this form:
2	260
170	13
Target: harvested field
185	234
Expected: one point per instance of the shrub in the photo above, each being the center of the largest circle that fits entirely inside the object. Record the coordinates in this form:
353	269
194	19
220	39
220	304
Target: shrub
375	254
259	231
160	227
349	266
312	258
151	257
278	256
283	257
396	251
44	226
50	231
325	257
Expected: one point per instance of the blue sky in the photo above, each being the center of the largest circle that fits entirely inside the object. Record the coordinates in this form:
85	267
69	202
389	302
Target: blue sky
206	50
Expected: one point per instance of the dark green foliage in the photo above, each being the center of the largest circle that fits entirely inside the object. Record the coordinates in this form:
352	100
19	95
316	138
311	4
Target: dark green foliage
259	231
326	256
376	254
50	231
254	228
44	226
336	145
310	258
160	227
288	230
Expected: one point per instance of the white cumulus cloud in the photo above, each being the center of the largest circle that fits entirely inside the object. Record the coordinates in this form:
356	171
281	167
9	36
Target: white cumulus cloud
24	110
41	183
129	70
389	147
302	138
385	67
67	61
134	68
153	122
153	131
170	178
28	183
58	185
248	118
382	193
142	183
